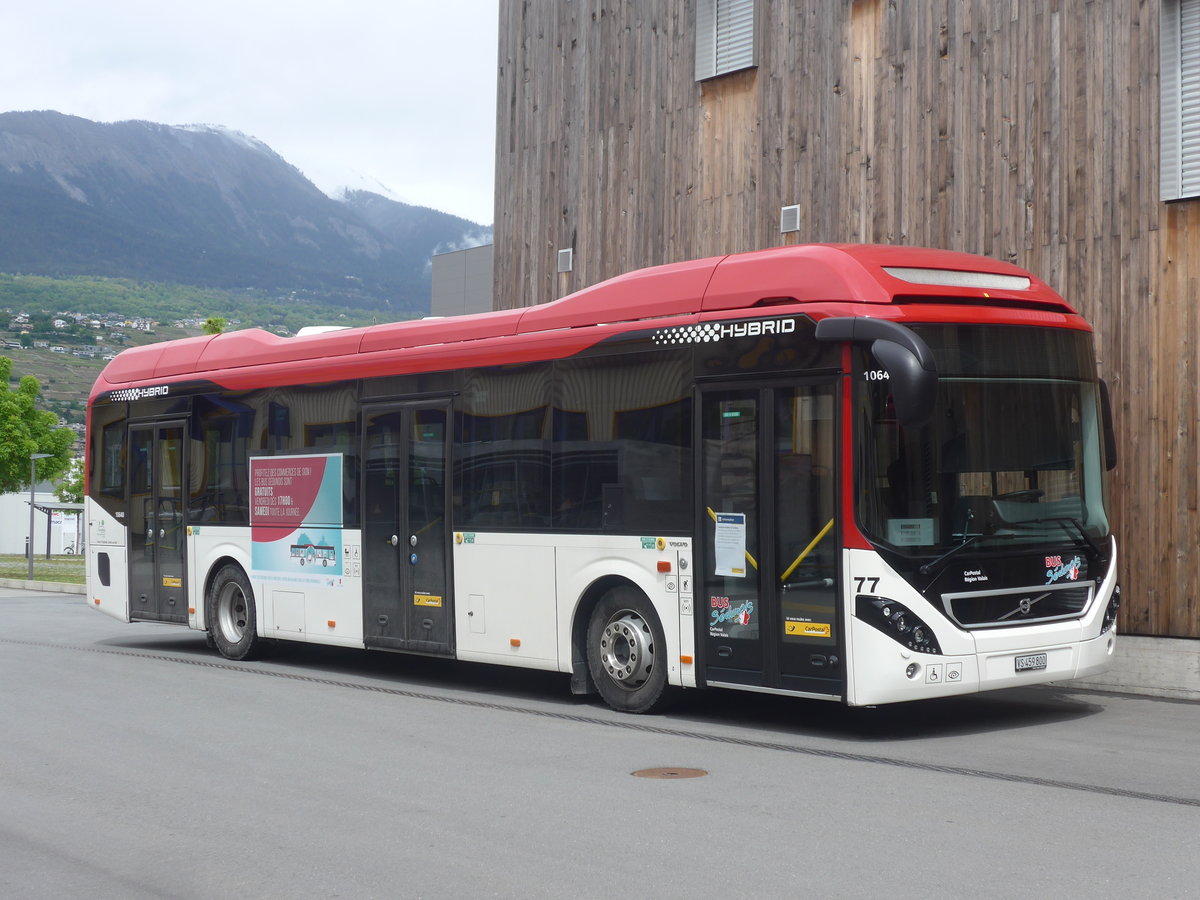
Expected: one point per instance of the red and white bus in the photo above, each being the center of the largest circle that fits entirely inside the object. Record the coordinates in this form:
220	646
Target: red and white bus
858	473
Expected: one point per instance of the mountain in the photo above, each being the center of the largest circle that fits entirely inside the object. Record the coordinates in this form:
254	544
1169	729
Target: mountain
206	206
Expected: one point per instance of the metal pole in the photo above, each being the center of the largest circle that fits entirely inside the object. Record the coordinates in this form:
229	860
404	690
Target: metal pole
33	458
32	481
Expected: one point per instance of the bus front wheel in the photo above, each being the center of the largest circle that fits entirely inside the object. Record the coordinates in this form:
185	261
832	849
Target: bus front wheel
626	651
231	607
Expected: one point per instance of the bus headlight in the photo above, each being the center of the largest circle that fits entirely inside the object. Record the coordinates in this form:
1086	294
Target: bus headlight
1110	614
896	621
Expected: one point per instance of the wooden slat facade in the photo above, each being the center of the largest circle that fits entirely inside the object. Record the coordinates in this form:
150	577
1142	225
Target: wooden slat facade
1025	130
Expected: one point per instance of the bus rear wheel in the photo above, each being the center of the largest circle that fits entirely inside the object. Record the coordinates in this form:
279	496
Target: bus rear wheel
626	651
231	611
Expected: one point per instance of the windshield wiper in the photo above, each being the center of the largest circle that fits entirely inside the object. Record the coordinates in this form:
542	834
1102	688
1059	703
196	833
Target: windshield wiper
940	561
1063	521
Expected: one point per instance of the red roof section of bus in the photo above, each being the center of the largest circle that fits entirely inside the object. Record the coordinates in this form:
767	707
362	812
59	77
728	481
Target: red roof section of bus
179	357
672	290
830	273
253	347
425	332
807	273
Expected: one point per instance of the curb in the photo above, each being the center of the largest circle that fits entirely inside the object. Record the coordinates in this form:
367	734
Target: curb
54	587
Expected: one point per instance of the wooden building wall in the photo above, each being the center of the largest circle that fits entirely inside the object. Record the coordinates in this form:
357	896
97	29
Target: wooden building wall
1025	130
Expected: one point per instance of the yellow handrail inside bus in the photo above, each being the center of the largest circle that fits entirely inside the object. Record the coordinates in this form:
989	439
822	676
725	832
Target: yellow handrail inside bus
807	550
750	559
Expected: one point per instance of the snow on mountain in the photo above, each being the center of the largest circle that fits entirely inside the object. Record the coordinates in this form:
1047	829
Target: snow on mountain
231	134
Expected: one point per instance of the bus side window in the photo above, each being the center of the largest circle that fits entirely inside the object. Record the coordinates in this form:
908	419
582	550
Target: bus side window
221	429
112	460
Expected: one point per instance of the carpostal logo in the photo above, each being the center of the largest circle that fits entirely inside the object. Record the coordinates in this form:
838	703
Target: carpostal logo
139	393
711	332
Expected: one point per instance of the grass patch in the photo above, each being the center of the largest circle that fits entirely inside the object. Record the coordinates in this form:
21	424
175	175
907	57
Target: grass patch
62	569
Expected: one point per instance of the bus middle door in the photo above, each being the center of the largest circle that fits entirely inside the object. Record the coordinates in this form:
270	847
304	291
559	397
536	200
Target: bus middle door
407	602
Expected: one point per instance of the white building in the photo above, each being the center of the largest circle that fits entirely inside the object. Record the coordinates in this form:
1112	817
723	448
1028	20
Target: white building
62	521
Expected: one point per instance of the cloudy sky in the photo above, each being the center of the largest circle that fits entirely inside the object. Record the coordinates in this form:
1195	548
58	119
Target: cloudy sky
400	93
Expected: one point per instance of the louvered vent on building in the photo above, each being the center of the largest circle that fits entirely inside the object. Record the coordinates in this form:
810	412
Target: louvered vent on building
789	219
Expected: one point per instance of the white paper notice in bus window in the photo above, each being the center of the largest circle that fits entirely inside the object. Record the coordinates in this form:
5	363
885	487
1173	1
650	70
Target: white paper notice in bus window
730	544
911	532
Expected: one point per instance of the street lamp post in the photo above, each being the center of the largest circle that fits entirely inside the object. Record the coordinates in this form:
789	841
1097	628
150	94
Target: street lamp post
33	458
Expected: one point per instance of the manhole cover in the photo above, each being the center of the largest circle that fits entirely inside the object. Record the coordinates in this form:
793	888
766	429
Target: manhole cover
670	772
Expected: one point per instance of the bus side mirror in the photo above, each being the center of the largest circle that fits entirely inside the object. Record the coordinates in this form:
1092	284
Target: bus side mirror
912	373
914	388
1110	433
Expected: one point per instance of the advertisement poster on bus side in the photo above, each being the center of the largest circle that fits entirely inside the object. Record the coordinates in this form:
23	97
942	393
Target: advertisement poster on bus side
296	517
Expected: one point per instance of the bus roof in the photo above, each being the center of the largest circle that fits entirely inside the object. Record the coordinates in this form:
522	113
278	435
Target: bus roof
811	273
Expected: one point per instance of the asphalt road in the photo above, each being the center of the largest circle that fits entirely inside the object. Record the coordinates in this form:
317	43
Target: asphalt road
134	763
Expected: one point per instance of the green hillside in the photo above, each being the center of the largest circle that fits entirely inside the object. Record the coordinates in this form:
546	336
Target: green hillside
98	317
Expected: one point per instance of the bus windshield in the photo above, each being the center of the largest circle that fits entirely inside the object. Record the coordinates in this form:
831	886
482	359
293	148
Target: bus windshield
1012	455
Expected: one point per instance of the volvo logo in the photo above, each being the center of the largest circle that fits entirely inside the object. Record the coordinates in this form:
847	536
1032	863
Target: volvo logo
1024	606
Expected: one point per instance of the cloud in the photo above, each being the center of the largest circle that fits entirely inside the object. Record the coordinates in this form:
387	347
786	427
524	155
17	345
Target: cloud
473	237
476	237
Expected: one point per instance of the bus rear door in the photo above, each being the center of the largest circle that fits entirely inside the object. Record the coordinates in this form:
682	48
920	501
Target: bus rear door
407	602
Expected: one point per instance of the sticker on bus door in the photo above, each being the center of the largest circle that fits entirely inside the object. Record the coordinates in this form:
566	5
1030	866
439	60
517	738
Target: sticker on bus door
732	619
807	628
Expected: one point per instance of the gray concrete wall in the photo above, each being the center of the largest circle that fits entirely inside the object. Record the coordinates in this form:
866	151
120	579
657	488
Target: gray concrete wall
1158	667
462	282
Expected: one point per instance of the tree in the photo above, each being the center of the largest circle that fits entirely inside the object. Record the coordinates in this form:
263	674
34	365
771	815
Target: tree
214	325
26	430
70	489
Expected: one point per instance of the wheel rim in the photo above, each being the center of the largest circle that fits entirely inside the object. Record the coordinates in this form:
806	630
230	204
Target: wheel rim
231	613
627	649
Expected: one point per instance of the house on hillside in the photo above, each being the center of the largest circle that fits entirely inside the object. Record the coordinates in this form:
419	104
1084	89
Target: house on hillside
1052	135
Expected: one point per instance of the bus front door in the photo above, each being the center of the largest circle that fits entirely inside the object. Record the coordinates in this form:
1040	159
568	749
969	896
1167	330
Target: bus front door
157	549
769	614
407	602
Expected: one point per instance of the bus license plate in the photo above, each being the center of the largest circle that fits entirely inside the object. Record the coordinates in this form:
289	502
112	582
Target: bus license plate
1031	663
